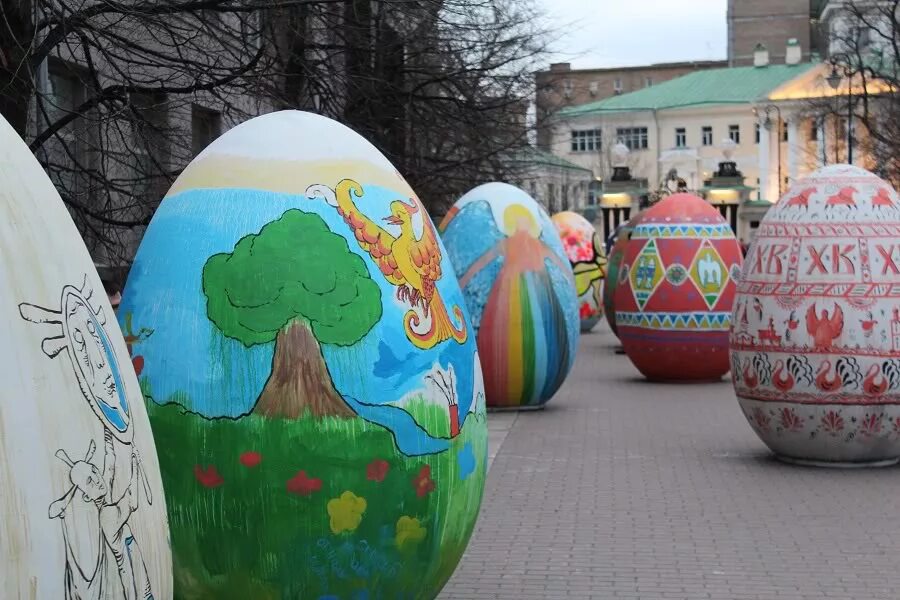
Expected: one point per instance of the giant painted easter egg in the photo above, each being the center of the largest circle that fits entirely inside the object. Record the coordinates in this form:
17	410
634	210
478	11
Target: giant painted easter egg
520	292
84	515
588	259
616	254
676	288
310	364
815	348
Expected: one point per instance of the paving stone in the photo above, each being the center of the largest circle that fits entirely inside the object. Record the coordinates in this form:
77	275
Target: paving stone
626	489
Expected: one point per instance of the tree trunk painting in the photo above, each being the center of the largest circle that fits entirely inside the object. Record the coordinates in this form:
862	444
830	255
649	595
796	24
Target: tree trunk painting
300	381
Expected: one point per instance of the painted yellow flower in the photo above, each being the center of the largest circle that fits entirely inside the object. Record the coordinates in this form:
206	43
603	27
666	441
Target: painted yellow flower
409	531
346	512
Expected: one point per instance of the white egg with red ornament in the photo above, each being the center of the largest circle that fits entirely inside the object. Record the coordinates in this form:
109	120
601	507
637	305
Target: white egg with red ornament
815	341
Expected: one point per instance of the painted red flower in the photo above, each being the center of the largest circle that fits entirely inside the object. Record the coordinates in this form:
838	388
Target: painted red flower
585	311
422	483
871	425
138	363
897	425
760	419
302	485
209	477
377	470
833	422
250	459
790	421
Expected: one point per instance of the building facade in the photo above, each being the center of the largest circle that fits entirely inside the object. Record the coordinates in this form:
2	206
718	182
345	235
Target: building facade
561	87
687	125
771	23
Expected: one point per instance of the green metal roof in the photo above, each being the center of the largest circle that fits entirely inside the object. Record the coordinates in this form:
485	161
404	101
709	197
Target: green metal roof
736	85
534	156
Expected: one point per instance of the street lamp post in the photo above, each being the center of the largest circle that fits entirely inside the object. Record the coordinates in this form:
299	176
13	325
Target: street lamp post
834	80
767	123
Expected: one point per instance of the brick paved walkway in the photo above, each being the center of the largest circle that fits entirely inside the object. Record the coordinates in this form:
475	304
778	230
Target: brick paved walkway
626	489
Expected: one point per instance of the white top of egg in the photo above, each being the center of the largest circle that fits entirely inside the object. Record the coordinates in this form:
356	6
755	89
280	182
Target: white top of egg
288	135
499	196
837	194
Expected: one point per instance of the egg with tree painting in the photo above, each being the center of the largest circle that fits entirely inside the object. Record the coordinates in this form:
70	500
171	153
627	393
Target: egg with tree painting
82	495
519	289
815	349
310	362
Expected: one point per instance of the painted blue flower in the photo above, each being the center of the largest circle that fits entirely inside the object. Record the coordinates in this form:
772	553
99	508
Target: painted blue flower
466	459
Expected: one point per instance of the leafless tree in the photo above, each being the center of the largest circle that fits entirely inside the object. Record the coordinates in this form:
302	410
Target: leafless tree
865	52
442	87
115	97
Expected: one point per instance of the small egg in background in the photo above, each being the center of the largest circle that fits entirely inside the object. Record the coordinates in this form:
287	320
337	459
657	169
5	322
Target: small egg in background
587	256
311	368
676	288
519	289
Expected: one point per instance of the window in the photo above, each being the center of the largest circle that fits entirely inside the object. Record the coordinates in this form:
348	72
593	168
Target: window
734	132
814	130
648	81
593	88
707	135
617	85
567	88
756	134
680	137
72	148
784	131
635	138
594	192
206	125
585	140
149	146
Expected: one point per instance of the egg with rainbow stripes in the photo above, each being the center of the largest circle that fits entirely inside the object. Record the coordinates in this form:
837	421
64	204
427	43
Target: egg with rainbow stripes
520	292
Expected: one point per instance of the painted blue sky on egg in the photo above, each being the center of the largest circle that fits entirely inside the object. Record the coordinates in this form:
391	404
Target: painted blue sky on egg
188	358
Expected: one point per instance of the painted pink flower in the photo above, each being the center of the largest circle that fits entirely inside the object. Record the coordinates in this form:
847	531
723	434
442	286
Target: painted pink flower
833	422
760	419
871	425
896	424
790	421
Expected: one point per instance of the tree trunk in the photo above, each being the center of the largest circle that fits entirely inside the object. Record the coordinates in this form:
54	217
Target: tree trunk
300	381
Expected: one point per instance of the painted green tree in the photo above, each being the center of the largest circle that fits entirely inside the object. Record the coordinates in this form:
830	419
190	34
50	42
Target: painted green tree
298	284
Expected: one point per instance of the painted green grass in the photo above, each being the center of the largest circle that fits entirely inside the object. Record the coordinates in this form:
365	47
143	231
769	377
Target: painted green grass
435	419
249	537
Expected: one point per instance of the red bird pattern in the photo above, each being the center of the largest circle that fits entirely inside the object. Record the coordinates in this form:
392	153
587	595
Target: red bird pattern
824	329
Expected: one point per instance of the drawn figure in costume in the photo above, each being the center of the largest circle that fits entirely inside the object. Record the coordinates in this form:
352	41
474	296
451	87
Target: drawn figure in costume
103	559
110	521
